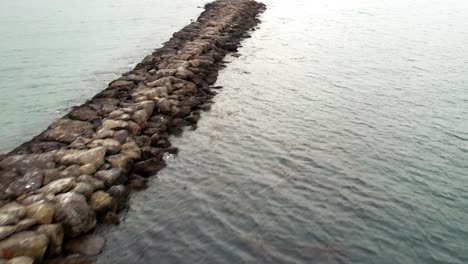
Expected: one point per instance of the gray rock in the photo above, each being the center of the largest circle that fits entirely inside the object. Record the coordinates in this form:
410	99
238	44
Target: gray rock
26	243
30	182
121	136
89	245
75	213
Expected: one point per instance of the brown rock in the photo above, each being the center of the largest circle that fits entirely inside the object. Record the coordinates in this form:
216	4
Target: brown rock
148	167
88	169
42	212
102	202
84	188
95	183
72	260
131	150
120	161
55	233
31	181
26	243
6	231
120	195
67	130
59	186
164	106
93	156
14	208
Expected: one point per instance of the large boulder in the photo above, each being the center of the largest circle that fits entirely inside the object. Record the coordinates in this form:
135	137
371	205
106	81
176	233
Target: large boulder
74	212
67	130
42	212
27	243
101	202
8	219
31	181
93	156
6	231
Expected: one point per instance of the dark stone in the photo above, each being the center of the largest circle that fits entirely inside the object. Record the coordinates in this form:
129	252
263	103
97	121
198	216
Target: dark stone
74	213
120	194
148	167
114	176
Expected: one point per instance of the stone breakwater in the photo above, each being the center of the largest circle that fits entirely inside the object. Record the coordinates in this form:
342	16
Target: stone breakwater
79	172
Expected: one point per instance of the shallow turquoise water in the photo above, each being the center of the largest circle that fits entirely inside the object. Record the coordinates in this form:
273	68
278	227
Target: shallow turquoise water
341	136
57	54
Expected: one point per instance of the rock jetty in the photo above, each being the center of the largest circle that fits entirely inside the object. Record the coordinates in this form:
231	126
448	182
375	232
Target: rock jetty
79	172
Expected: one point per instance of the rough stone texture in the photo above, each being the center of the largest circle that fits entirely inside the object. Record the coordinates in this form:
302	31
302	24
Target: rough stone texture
42	212
74	213
58	186
6	231
27	243
101	201
93	156
8	219
67	130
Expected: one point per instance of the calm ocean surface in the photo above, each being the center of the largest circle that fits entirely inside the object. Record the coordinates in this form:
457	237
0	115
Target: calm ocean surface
340	136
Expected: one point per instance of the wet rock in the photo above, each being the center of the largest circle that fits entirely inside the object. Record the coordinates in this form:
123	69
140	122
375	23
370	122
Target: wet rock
134	77
150	152
67	130
42	212
89	245
75	213
164	106
31	181
137	182
55	234
148	167
93	156
102	202
21	260
13	208
131	150
84	188
120	195
58	186
114	176
180	111
8	219
120	161
26	243
25	224
95	183
143	141
6	231
162	143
